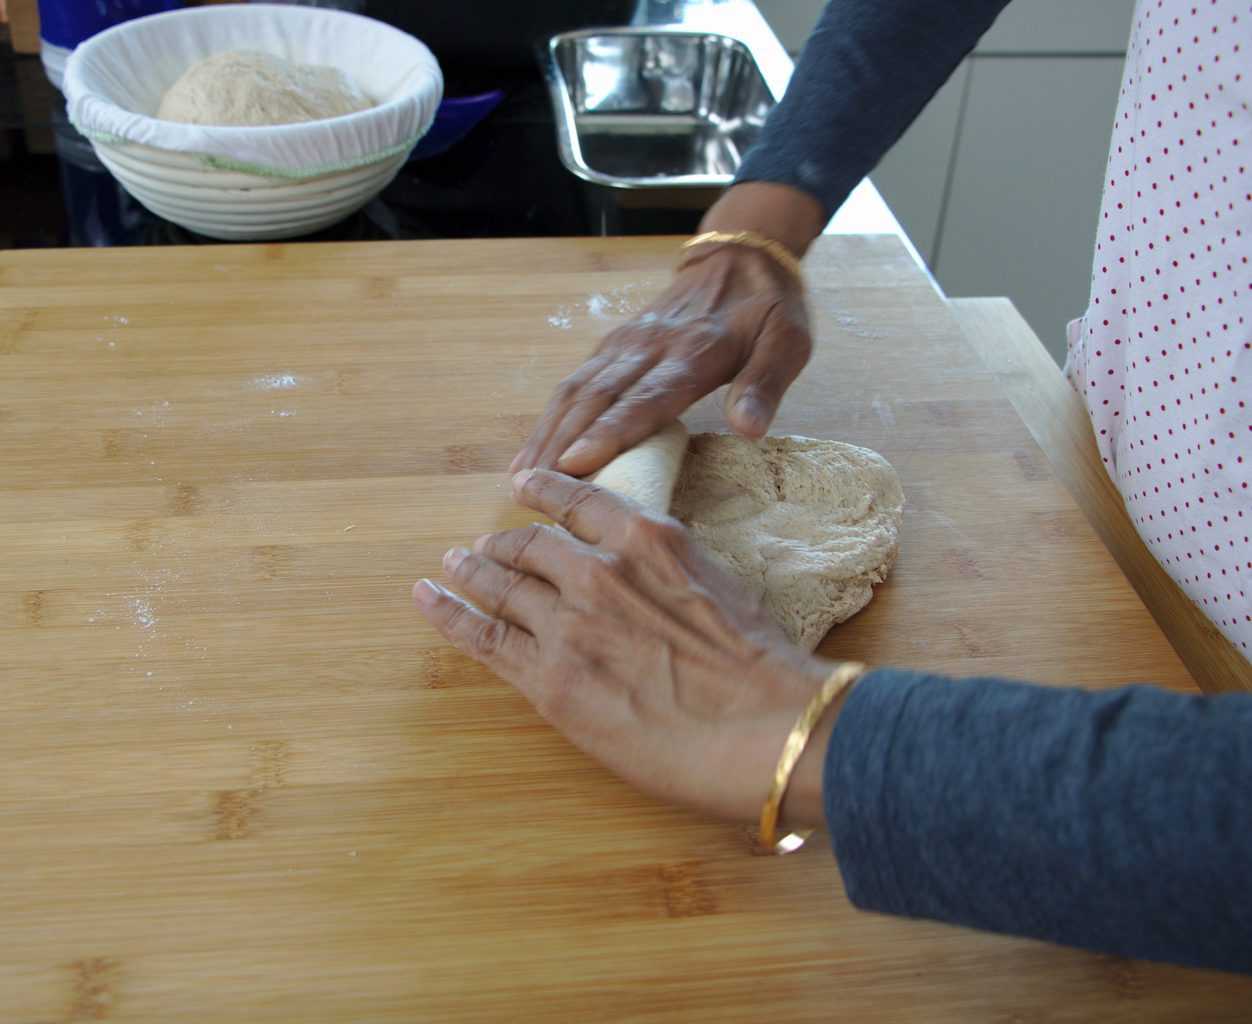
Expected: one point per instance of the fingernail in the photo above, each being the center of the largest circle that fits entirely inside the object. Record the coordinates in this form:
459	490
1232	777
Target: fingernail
516	463
481	543
453	558
425	594
519	479
572	454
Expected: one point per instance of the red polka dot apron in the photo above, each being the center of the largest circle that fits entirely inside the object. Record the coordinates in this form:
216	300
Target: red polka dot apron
1163	356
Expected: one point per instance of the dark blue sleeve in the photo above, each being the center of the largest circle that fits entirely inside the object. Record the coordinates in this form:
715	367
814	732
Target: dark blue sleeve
867	71
1118	821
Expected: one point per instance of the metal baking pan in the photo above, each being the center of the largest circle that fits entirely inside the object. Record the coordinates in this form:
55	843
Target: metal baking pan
654	119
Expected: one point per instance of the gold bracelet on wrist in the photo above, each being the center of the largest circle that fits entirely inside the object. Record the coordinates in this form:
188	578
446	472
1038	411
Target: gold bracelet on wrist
767	838
781	255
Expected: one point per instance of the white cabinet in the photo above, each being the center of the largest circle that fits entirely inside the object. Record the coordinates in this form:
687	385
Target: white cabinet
914	177
1026	185
1060	26
1025	26
998	181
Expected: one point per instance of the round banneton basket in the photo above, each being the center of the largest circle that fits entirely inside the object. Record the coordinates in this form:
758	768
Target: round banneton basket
252	183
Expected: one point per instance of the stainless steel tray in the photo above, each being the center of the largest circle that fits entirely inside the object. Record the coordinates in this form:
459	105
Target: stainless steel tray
649	108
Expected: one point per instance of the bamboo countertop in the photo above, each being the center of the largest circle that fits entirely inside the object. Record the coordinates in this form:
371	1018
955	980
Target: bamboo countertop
243	781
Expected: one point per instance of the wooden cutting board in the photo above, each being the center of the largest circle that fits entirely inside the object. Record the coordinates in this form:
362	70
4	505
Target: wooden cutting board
241	780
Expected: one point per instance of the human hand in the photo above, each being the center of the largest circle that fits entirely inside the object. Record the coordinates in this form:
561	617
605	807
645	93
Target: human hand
640	650
730	314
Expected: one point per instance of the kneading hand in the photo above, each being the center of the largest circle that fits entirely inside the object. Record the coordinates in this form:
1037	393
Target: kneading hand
730	315
636	647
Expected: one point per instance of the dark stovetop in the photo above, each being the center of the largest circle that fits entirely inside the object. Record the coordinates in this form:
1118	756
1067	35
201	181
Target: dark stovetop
504	179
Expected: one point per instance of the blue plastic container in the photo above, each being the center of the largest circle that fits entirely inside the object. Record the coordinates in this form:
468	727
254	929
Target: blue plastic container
63	24
455	119
66	23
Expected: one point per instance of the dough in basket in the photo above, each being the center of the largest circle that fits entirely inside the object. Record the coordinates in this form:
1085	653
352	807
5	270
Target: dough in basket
246	87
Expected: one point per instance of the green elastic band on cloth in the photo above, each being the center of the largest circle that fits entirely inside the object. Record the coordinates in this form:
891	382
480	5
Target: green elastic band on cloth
223	163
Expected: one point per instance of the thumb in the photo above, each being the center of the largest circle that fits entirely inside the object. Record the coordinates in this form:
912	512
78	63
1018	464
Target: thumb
780	353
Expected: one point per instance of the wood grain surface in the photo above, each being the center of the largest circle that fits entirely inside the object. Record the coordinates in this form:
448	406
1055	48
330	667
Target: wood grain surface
23	18
242	781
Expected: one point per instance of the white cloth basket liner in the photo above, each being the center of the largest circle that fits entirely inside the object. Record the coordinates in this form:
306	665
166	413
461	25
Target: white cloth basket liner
115	80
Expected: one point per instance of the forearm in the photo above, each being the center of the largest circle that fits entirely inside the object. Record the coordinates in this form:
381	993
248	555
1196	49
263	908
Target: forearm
867	71
1115	821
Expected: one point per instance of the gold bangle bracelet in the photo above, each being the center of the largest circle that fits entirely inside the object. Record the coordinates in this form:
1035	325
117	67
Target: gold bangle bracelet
767	838
781	255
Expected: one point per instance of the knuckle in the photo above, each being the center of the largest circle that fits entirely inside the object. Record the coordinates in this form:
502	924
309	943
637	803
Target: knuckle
574	504
794	333
587	574
647	532
637	414
690	336
553	535
642	396
455	618
566	389
567	627
685	378
611	566
703	607
620	338
531	487
536	488
510	547
523	540
670	530
706	333
487	638
646	330
512	580
597	391
668	338
597	571
468	568
800	340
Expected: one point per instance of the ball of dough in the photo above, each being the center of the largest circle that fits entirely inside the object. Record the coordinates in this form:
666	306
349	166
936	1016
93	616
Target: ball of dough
808	526
242	87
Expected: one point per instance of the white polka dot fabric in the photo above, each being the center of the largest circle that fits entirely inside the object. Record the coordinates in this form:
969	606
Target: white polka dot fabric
1163	356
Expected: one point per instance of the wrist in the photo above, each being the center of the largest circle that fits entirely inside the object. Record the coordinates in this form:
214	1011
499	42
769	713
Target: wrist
747	757
780	212
803	805
728	262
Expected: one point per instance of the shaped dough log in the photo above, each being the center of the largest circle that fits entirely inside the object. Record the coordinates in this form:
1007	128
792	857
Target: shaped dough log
647	473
